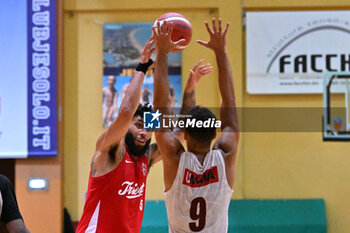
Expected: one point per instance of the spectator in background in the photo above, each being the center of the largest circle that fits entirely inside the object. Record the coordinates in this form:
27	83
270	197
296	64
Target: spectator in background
9	212
146	95
110	100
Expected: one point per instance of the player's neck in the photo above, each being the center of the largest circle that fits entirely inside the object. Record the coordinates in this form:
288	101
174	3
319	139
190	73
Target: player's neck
127	149
134	157
199	151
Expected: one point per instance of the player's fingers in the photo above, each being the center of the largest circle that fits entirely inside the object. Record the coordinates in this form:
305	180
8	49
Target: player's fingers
152	50
214	24
208	71
204	70
206	65
210	67
226	28
159	28
220	25
179	41
165	27
171	27
208	28
164	24
149	43
205	44
154	31
198	64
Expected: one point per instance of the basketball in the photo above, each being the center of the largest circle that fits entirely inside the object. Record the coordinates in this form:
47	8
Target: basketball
182	29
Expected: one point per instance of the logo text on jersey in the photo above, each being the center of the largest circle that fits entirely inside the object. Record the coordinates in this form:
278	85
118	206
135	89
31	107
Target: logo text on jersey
131	190
143	168
195	180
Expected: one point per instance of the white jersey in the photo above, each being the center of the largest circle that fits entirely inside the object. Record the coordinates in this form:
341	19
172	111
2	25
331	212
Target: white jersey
199	198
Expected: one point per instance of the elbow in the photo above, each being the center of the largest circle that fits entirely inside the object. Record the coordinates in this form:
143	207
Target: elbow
126	111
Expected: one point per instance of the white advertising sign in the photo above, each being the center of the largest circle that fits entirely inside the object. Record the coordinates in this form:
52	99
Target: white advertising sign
288	52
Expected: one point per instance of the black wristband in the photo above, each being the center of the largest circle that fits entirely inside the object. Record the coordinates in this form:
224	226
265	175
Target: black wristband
143	67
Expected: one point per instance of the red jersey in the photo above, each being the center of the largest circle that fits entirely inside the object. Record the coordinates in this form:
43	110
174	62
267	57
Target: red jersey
115	201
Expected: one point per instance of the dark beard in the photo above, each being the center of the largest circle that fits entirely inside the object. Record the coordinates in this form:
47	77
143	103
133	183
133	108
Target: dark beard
133	148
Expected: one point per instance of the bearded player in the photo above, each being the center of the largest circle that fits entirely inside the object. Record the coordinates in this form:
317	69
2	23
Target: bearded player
116	190
198	183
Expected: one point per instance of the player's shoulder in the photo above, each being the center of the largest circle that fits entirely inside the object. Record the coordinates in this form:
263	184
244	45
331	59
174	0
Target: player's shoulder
217	149
215	152
217	155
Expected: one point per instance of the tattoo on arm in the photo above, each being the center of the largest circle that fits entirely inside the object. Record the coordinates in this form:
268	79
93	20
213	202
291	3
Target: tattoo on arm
188	95
122	152
188	101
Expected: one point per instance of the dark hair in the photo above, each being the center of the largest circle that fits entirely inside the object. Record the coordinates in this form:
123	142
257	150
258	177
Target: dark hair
143	108
201	135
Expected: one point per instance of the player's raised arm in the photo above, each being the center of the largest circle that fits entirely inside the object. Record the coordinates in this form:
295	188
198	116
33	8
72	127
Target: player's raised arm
228	140
162	37
169	146
189	95
116	131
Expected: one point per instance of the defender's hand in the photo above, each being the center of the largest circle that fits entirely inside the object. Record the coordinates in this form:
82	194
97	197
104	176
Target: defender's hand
196	74
217	41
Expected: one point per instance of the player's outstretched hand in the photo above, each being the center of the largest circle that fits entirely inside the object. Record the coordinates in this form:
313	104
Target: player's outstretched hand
217	41
197	72
162	36
147	51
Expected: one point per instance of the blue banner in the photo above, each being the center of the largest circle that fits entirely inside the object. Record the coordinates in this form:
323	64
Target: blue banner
42	122
28	122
